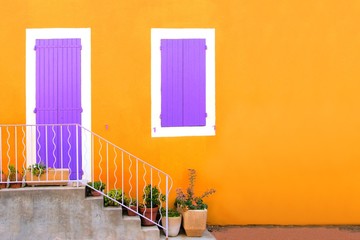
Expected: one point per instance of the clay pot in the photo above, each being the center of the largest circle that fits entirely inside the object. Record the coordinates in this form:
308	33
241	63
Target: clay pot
17	184
4	180
95	193
131	213
150	213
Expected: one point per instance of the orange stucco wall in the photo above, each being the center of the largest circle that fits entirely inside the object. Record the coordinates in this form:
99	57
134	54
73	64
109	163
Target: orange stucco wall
286	150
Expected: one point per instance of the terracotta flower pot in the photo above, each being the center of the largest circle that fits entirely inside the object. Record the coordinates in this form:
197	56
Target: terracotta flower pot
150	213
194	222
4	180
174	225
54	176
95	193
131	213
17	184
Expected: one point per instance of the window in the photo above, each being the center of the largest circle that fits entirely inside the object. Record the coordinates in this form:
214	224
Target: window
183	82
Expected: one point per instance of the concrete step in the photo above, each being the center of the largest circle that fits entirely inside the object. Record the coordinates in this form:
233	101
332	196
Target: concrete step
151	232
65	213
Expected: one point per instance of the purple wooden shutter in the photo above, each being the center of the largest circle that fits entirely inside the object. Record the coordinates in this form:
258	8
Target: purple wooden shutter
171	83
58	100
183	82
194	82
46	99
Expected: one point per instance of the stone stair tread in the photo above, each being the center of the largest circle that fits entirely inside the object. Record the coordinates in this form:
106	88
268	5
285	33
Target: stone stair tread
132	219
113	209
151	232
94	198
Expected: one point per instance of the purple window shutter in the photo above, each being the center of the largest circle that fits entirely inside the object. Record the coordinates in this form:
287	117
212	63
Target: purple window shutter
171	83
183	92
194	82
58	100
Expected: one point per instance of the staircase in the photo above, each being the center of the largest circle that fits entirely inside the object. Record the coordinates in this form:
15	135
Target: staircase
76	156
65	213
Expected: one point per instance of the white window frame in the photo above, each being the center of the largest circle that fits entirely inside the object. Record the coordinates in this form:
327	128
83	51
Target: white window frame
182	33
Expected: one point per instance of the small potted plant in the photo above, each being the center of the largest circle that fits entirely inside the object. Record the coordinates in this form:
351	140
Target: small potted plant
193	208
39	174
97	185
3	180
15	177
131	203
115	194
37	169
174	222
150	205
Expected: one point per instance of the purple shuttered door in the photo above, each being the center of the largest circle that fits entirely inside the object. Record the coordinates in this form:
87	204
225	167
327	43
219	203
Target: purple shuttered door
183	82
58	101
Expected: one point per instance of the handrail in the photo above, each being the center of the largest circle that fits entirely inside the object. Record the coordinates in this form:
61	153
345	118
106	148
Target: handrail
72	154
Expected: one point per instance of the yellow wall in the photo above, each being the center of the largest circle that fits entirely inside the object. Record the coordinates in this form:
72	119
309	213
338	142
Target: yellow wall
286	149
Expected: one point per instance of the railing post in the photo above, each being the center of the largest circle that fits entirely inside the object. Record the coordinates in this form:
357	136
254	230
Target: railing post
46	147
23	150
77	155
16	157
167	207
151	192
1	168
61	152
137	183
122	171
8	150
107	166
92	158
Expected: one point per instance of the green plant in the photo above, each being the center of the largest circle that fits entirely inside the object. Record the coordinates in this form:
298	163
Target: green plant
37	169
98	185
115	194
130	201
152	196
189	200
12	172
171	212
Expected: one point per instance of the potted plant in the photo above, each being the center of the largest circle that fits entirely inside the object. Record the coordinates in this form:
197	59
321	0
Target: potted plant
14	176
131	203
193	208
37	169
98	185
150	207
115	194
38	174
174	222
3	180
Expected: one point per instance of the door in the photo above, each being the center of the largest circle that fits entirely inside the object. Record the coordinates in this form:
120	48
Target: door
58	101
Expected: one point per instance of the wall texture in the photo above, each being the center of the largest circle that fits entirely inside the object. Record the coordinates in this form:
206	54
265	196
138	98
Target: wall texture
287	98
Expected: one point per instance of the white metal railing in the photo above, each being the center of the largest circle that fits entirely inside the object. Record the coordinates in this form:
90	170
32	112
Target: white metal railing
75	155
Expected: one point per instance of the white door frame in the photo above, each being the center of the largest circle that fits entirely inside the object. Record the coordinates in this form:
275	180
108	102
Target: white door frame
50	33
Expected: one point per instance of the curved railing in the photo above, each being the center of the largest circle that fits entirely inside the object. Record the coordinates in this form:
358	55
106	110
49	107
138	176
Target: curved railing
75	155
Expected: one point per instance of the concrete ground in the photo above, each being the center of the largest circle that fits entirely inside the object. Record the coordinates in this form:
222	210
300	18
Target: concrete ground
285	232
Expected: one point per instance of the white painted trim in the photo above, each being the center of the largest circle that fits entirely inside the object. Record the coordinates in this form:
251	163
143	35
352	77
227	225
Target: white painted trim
182	33
50	33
